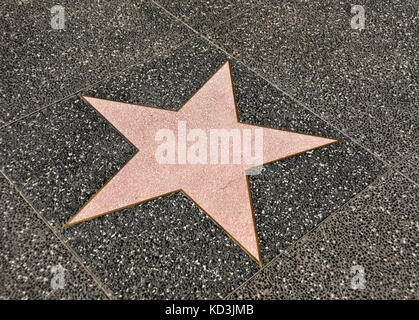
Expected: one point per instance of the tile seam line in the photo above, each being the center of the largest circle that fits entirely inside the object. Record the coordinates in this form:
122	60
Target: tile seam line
239	14
303	238
406	158
211	28
91	85
73	254
297	101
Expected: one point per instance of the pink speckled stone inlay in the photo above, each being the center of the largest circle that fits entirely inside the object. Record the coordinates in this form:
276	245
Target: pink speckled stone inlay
221	190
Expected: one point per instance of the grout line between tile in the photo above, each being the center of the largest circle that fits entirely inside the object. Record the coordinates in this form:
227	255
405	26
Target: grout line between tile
175	17
406	157
212	28
406	177
403	160
104	288
241	13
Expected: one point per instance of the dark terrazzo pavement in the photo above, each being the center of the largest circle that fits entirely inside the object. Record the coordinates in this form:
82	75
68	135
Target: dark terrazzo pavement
365	82
409	167
41	65
378	231
30	250
202	15
167	248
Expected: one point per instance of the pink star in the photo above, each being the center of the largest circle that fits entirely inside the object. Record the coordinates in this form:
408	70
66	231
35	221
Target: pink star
220	189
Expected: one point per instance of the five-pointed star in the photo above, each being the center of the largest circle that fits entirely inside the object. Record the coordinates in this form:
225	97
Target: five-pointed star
220	190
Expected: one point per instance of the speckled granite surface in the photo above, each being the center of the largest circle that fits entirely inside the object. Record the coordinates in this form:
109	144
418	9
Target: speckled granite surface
378	230
58	151
29	252
41	65
202	15
409	166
